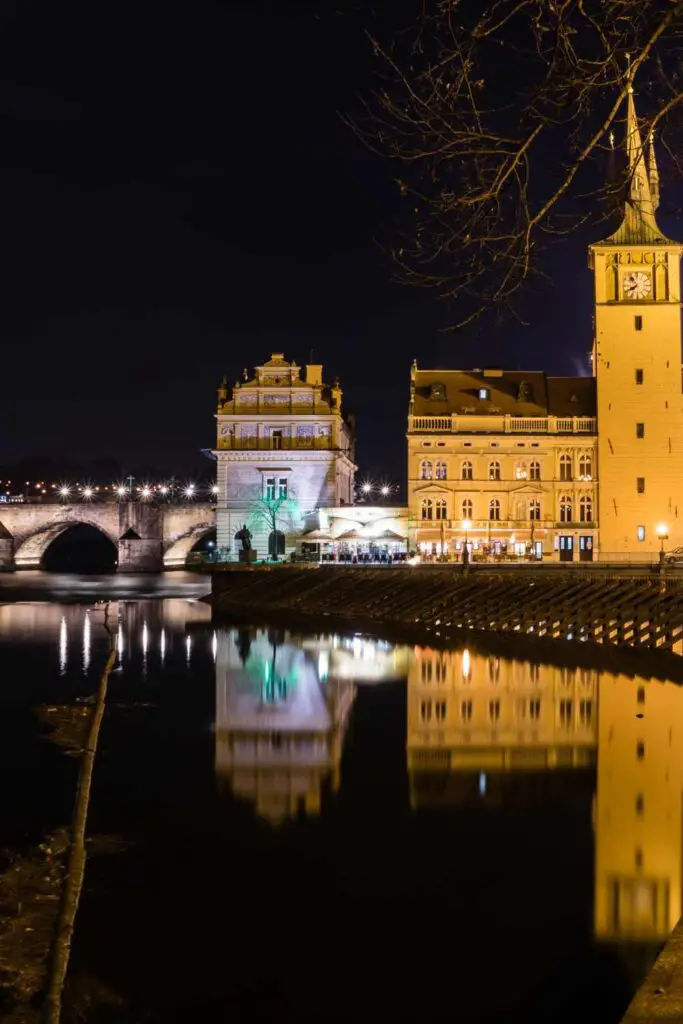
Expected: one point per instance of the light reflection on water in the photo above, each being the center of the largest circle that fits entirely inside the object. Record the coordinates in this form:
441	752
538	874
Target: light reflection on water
478	729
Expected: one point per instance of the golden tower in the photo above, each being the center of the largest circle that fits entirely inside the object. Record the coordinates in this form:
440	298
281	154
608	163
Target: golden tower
637	364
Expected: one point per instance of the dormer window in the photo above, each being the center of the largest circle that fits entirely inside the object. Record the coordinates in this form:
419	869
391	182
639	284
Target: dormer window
484	394
437	392
574	398
523	391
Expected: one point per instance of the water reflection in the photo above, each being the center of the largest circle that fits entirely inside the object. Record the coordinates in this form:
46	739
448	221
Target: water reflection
280	724
478	724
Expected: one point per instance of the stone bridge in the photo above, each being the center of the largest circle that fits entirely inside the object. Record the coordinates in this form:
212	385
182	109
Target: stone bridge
148	537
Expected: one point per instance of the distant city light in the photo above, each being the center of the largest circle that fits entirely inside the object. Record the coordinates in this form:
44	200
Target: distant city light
87	492
121	490
366	488
146	492
384	490
64	491
189	490
164	489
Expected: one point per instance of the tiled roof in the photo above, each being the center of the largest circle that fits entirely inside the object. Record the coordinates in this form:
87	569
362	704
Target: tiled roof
510	392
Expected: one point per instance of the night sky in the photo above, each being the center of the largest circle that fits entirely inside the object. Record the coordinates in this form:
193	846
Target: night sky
179	198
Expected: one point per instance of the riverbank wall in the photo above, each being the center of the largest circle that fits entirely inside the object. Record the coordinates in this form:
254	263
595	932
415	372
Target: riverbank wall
589	615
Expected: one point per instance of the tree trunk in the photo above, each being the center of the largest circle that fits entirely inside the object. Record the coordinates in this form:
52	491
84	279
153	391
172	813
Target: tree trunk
73	885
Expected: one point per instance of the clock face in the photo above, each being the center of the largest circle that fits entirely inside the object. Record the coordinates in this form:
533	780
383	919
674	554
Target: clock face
637	285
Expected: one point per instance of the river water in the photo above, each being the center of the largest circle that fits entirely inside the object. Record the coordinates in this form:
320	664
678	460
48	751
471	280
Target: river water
333	827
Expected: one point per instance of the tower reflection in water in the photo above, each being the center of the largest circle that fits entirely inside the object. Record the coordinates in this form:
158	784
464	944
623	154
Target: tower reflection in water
477	725
282	708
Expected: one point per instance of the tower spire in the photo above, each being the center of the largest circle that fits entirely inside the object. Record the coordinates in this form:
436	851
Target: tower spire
638	226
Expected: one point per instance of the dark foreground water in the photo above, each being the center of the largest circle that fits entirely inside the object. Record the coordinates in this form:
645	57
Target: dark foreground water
336	828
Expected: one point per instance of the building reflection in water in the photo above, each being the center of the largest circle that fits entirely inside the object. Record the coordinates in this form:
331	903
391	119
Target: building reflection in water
477	723
280	722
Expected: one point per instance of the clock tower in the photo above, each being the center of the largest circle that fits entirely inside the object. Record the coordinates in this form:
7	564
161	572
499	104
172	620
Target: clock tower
637	365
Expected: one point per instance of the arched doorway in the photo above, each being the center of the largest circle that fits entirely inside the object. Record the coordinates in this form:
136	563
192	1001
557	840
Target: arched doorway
80	548
276	543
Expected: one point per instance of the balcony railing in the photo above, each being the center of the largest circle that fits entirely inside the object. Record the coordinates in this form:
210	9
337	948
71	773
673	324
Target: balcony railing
480	424
274	444
477	525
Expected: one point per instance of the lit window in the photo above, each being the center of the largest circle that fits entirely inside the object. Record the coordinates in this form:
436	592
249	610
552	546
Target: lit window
270	488
282	487
585	467
425	470
440	471
641	533
467	509
566	509
484	394
565	467
586	509
521	471
427	508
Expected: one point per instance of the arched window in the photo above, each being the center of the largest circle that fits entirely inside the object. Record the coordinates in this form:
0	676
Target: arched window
494	509
566	509
441	508
494	470
565	467
467	508
521	471
425	470
467	471
586	467
440	471
586	509
427	508
276	543
535	510
534	470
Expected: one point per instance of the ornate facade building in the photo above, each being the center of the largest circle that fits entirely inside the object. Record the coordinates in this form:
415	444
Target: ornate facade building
284	448
571	468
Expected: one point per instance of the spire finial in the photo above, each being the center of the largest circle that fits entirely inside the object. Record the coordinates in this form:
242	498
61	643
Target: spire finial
653	170
629	73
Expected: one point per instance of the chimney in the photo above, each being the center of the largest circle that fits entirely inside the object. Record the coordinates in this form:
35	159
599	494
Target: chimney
314	373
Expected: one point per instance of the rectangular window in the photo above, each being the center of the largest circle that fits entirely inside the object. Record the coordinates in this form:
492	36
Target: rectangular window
270	488
484	394
638	323
586	712
440	710
640	805
640	430
641	533
277	439
494	710
282	487
566	711
535	709
639	376
640	750
466	710
426	710
640	484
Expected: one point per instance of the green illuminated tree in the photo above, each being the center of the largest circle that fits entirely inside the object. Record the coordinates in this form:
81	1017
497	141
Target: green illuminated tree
276	514
501	118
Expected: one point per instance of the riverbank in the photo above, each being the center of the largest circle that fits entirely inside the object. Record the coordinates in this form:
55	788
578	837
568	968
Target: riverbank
618	623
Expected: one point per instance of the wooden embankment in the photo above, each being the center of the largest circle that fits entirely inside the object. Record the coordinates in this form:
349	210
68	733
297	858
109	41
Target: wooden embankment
617	609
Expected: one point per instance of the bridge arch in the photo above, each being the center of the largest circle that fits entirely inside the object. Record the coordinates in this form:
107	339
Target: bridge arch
30	551
175	555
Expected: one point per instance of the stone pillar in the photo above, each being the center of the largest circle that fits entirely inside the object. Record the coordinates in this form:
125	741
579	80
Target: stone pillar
140	537
6	549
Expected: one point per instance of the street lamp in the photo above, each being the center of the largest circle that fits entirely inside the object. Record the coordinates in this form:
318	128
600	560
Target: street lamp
384	491
146	492
87	493
663	534
466	525
64	491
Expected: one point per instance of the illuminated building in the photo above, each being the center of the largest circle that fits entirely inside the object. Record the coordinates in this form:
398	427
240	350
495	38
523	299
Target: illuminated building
523	464
280	437
357	532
